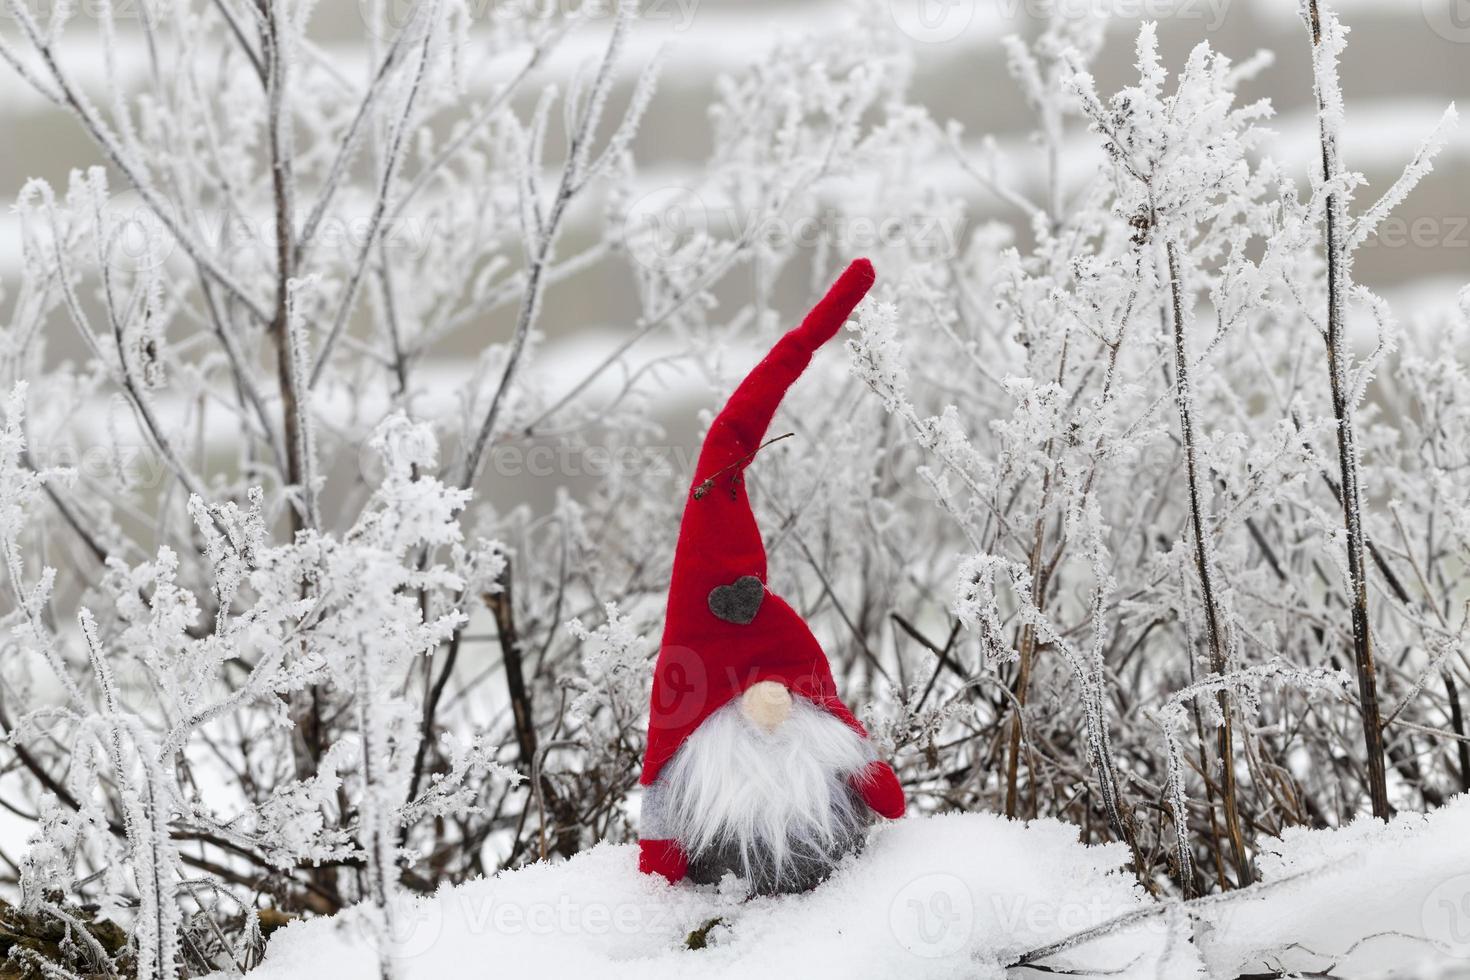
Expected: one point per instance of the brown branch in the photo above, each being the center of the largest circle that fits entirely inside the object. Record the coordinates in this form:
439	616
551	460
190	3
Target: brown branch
1338	282
1214	633
287	370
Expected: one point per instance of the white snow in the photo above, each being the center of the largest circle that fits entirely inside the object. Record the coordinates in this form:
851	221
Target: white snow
1377	901
935	897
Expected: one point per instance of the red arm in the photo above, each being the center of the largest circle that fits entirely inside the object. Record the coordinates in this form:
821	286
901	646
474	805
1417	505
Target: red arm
662	857
880	789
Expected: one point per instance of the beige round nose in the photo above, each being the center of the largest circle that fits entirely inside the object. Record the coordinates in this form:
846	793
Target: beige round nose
767	704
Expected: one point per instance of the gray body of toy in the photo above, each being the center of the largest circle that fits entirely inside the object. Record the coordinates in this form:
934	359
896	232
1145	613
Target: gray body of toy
803	870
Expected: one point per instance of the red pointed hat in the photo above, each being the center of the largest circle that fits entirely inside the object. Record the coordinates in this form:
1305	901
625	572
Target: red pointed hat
724	630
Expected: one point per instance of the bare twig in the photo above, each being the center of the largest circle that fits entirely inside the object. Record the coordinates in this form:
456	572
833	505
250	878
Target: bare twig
1329	108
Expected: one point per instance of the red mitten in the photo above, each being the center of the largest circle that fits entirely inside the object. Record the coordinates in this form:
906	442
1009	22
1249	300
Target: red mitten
879	788
662	857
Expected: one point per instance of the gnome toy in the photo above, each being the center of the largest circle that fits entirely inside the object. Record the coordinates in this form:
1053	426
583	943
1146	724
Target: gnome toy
754	765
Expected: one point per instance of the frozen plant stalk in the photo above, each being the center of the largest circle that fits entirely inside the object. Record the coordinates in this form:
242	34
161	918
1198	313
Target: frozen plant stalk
1327	44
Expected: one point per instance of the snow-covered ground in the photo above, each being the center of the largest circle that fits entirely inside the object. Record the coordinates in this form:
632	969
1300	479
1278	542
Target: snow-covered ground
959	896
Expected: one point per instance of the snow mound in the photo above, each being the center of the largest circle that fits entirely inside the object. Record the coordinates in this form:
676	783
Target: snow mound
1373	900
936	897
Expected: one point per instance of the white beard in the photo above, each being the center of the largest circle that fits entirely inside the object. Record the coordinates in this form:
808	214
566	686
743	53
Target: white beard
777	808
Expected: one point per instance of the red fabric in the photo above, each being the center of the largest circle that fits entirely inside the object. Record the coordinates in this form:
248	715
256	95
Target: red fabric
705	661
662	857
880	789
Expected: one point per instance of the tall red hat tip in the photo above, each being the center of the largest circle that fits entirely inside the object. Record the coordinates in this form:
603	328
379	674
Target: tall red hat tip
857	278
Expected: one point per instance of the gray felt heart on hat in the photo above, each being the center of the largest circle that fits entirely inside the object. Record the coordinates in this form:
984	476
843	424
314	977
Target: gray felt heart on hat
739	601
